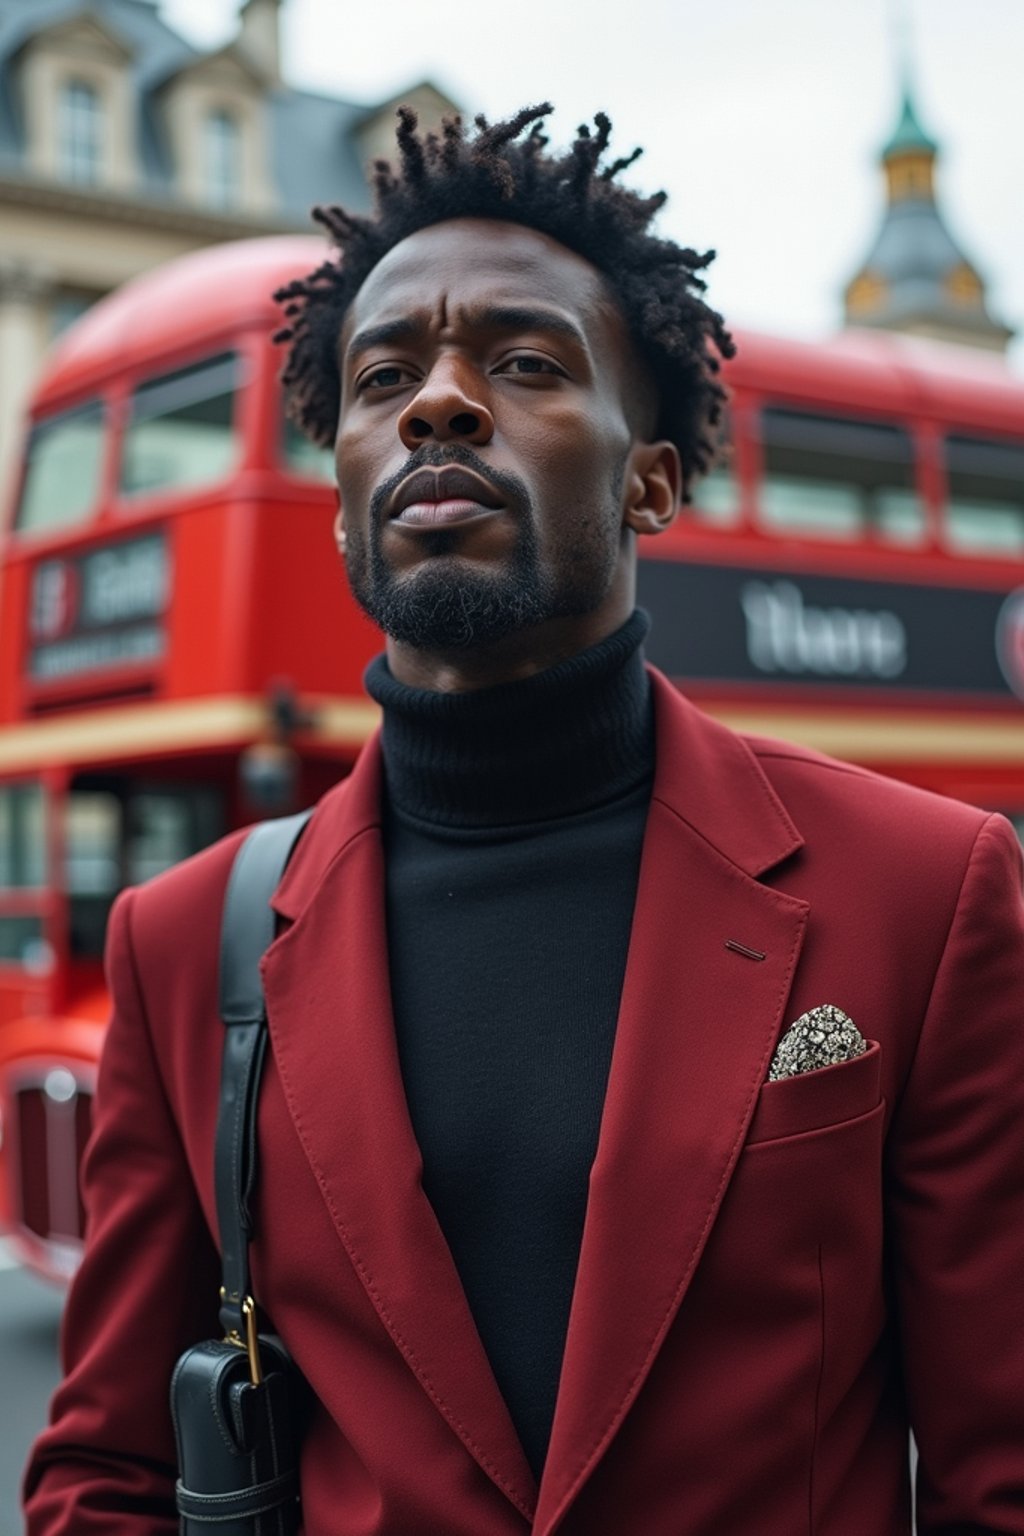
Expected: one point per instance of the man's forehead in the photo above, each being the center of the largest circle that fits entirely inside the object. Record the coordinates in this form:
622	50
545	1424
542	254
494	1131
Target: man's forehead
472	263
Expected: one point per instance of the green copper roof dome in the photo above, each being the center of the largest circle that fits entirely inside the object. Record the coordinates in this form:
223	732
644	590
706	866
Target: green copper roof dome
916	278
908	135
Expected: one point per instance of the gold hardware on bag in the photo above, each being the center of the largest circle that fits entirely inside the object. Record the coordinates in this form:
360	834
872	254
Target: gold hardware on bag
232	1336
252	1343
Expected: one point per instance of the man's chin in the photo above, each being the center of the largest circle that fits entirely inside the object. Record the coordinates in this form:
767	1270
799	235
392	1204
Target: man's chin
442	609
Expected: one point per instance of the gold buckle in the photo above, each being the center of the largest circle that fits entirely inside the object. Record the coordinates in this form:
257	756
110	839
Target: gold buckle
252	1343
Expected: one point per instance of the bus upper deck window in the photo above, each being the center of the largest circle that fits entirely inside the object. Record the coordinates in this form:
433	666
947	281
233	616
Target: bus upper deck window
985	512
120	831
303	458
834	478
715	497
180	431
62	470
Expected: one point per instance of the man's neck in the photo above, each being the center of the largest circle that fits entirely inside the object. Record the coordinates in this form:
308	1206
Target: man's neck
555	743
511	659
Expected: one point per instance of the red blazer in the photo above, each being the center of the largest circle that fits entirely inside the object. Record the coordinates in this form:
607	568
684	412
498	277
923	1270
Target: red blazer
774	1277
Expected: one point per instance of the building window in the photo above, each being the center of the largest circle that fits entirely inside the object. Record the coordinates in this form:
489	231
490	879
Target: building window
222	159
964	286
81	133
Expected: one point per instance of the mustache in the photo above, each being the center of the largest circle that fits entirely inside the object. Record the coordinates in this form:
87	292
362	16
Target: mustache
436	456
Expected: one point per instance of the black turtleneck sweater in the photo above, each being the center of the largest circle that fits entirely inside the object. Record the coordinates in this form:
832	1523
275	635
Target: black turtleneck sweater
513	829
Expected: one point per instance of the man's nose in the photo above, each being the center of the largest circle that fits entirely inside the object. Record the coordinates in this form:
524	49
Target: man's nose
449	406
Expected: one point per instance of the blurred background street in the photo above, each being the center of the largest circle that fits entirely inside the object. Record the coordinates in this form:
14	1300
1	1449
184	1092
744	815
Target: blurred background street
29	1318
852	576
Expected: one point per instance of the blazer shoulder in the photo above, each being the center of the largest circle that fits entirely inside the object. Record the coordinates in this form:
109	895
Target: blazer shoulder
818	788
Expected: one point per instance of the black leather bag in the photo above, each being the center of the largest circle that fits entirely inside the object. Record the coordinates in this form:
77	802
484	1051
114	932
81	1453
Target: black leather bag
238	1403
238	1441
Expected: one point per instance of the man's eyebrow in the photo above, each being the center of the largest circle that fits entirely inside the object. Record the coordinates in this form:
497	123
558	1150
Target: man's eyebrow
525	317
498	317
384	333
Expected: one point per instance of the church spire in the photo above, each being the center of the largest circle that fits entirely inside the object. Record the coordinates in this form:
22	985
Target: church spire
916	278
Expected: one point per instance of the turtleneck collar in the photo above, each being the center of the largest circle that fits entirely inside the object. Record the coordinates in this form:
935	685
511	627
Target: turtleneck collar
566	740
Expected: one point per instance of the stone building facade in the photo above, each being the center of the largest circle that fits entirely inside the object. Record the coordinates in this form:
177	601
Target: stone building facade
122	146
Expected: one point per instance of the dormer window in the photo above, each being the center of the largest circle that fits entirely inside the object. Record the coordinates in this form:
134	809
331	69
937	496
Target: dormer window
222	159
80	143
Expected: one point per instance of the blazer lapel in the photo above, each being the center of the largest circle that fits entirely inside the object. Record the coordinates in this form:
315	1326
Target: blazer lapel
329	1006
697	1025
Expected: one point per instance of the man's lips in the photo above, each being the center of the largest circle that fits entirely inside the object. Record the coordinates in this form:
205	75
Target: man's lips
437	498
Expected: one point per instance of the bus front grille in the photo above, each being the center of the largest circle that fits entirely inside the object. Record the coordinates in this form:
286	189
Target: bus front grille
52	1121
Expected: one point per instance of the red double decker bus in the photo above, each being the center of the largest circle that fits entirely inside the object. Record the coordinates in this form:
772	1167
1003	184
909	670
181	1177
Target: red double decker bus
179	653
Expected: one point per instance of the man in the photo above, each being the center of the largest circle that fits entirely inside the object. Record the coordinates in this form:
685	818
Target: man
554	1245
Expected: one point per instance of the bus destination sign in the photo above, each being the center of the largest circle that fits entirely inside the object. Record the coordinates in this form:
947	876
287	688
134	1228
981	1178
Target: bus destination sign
741	625
99	610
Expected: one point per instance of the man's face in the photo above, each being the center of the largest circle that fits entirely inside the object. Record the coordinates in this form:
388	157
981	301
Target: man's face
484	449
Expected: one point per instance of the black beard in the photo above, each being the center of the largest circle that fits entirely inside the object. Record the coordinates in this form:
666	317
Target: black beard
447	605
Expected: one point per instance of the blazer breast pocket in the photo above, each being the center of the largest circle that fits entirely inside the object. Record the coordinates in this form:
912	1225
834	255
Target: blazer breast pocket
812	1101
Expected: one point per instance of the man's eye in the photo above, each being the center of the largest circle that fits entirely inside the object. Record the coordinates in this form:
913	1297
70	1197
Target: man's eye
528	363
383	378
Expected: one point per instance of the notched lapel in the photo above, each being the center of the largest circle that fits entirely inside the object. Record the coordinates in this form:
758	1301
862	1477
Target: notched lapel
697	1026
329	1006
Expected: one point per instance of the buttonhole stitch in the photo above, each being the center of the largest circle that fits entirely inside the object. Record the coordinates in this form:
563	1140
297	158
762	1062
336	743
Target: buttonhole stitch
742	949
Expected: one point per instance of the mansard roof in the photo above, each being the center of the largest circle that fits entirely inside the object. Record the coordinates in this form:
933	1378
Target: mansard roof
313	143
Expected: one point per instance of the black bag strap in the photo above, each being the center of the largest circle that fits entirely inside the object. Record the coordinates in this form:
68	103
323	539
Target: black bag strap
247	928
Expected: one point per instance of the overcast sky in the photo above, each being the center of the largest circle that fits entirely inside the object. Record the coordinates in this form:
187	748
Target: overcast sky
761	118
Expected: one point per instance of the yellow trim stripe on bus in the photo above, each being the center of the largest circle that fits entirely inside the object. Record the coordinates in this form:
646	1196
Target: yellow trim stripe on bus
145	729
229	721
881	738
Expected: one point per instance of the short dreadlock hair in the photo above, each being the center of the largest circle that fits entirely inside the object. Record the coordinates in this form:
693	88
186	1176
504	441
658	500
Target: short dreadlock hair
494	173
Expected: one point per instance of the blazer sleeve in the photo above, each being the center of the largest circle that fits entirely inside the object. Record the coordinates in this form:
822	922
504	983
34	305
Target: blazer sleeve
146	1289
956	1205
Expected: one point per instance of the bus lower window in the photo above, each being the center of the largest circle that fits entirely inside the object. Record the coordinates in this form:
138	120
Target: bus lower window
92	865
22	869
22	837
840	479
304	458
180	432
62	471
121	832
22	942
164	827
985	511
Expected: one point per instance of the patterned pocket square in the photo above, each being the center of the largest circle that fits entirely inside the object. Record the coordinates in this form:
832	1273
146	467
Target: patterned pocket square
820	1038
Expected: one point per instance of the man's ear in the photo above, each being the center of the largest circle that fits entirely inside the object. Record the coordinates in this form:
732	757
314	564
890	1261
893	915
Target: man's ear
654	487
339	527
